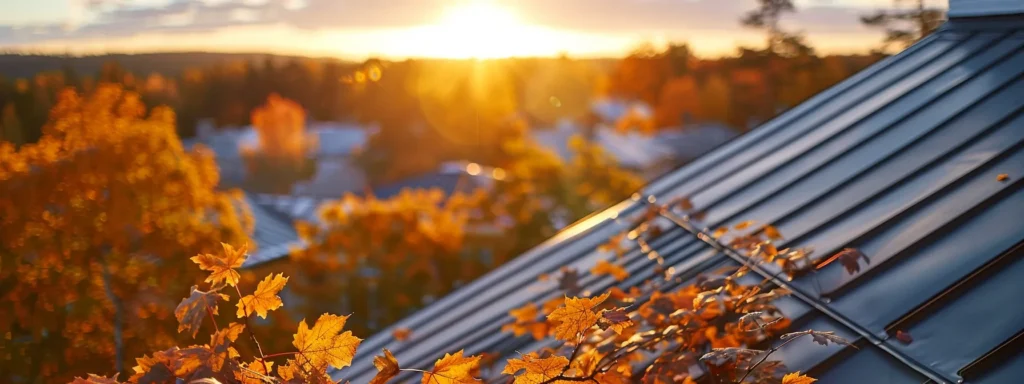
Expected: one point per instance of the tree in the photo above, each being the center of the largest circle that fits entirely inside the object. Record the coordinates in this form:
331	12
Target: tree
679	102
280	156
716	100
768	17
10	126
381	258
905	25
97	220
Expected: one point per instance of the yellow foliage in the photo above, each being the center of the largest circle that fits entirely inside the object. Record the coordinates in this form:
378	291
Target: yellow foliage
97	220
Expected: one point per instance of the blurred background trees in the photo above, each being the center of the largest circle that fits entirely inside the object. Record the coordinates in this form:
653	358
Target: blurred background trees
98	217
281	155
907	22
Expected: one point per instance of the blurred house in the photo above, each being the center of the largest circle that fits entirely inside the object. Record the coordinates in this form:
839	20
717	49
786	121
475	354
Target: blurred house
649	155
917	162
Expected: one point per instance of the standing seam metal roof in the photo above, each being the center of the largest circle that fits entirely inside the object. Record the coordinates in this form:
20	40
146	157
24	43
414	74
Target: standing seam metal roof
899	161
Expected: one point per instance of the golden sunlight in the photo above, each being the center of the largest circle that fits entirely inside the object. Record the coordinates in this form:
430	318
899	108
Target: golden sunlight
480	29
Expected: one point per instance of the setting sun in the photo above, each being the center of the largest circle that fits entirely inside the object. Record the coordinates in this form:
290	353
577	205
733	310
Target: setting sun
479	29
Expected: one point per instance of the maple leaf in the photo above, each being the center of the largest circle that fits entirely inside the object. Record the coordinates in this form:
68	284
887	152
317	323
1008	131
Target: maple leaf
797	378
1002	177
850	258
155	369
401	334
255	372
603	267
772	232
743	225
685	204
537	370
576	316
610	377
387	367
569	281
525	313
325	344
222	268
720	232
617	320
294	374
193	309
820	337
220	345
95	379
264	299
452	369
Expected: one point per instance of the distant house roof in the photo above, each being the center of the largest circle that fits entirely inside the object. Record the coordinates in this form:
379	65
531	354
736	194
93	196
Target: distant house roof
900	161
632	150
274	232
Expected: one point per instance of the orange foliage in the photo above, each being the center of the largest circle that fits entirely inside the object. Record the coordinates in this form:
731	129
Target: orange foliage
96	222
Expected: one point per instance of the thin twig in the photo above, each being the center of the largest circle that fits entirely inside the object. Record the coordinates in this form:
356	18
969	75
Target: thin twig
770	352
279	354
252	335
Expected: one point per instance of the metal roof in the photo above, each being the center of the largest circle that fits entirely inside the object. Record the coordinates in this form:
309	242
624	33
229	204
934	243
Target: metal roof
900	161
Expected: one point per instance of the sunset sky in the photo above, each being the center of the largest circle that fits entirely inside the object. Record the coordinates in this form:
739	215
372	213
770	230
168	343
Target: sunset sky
358	29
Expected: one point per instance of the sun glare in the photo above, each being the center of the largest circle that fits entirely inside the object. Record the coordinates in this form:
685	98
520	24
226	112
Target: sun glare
479	29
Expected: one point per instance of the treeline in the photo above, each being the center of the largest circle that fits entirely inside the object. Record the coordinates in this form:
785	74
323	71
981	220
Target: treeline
460	107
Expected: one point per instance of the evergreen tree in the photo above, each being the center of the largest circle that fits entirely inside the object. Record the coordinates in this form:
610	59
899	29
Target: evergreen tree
905	24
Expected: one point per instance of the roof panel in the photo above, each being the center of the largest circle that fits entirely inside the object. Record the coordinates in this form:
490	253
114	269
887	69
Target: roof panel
899	161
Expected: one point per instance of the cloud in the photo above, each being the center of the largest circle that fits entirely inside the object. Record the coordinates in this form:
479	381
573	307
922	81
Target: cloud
115	18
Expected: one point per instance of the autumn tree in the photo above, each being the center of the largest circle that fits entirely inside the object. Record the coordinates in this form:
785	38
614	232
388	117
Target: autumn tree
679	103
716	100
380	258
908	22
280	157
97	220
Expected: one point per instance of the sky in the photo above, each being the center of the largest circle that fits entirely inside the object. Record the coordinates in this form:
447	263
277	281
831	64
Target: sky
357	29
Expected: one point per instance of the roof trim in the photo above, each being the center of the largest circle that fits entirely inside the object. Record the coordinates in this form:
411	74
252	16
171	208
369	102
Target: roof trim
976	8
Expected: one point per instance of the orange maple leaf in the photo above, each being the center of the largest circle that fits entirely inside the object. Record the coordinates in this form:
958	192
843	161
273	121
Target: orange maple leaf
576	317
401	334
452	369
255	372
193	309
387	367
325	344
220	345
743	225
222	268
264	299
155	369
721	231
772	232
797	378
292	373
612	377
603	267
537	370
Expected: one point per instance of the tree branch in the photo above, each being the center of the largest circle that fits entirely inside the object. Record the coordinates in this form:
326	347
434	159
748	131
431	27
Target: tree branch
118	319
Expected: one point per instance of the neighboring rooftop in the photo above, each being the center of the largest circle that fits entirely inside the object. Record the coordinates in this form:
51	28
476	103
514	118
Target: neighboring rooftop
903	161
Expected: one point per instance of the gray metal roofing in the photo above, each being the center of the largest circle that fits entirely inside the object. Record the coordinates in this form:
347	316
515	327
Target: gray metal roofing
899	161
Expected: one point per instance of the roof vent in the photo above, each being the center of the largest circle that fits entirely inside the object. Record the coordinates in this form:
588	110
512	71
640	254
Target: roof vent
977	8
